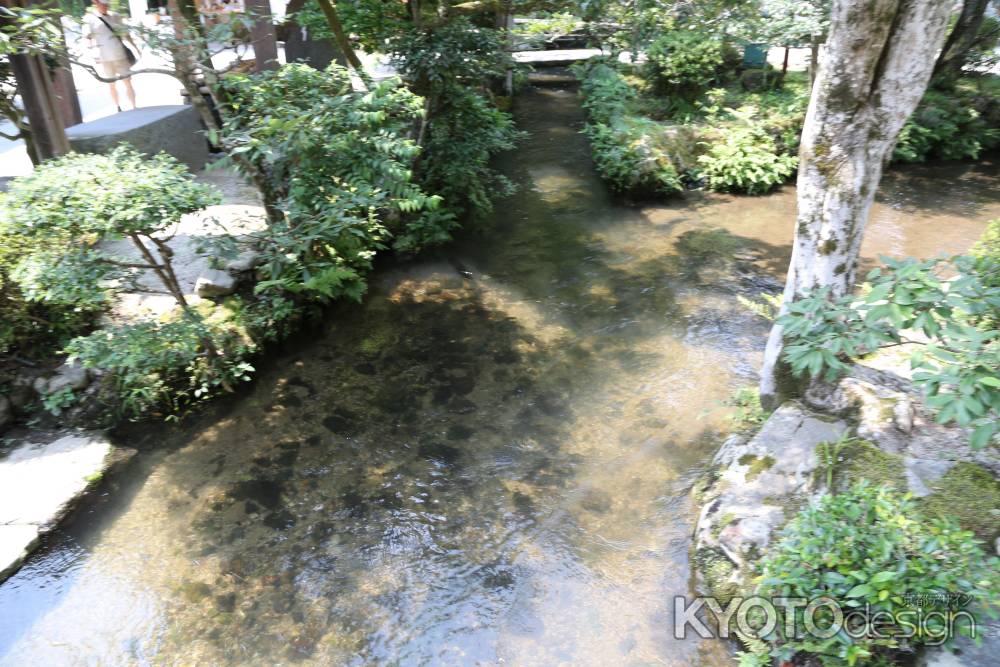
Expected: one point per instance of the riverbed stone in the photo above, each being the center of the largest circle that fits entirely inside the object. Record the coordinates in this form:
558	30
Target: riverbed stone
40	481
244	262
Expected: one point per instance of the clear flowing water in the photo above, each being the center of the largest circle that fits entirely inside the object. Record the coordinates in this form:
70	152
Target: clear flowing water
486	463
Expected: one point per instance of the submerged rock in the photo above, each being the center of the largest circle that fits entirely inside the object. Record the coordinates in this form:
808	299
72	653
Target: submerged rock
264	492
340	422
439	452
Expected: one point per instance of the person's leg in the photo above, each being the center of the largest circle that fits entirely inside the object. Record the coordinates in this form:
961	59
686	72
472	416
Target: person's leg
129	90
114	95
109	70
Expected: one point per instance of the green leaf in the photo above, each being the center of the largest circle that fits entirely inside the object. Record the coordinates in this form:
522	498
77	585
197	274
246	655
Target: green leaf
861	590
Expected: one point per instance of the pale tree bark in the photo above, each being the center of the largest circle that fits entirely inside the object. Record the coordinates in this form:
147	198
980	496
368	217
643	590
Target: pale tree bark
877	64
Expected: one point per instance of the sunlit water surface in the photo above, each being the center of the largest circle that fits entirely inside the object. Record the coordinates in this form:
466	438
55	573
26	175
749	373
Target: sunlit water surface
486	463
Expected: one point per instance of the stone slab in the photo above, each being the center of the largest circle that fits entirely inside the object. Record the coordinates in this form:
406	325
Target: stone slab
16	544
173	128
40	479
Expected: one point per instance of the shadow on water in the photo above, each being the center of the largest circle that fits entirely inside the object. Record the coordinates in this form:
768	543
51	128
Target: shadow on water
486	462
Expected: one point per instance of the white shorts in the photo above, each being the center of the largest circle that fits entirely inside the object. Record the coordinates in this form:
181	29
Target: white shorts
114	68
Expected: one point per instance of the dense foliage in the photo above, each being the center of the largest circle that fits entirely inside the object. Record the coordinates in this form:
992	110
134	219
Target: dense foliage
955	125
164	365
339	162
65	214
746	159
871	550
623	153
684	62
67	208
949	321
452	65
744	138
729	139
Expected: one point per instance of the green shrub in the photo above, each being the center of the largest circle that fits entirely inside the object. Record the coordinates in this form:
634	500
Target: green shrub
946	300
870	546
164	365
630	153
452	66
30	327
67	207
606	93
54	271
340	162
945	126
464	135
745	159
627	158
987	252
684	62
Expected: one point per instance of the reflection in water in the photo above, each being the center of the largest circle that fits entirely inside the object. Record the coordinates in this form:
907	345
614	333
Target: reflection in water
486	463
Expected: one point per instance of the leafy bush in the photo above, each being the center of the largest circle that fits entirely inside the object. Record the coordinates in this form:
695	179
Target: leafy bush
164	365
626	149
746	159
67	207
462	138
627	159
946	126
340	163
30	327
684	62
55	275
987	252
870	546
958	354
452	65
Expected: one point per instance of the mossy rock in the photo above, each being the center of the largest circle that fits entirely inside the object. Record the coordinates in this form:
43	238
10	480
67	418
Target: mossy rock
970	494
757	465
857	459
717	572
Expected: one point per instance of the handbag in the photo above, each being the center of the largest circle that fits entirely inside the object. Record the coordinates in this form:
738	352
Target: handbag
129	55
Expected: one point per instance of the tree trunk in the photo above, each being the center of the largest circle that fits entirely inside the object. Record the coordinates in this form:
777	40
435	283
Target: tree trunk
64	85
814	44
878	63
329	8
263	36
962	37
41	106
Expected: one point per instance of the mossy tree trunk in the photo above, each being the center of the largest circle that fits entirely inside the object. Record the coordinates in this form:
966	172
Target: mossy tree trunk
877	64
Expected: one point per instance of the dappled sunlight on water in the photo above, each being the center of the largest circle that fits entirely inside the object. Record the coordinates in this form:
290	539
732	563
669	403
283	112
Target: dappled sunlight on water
487	462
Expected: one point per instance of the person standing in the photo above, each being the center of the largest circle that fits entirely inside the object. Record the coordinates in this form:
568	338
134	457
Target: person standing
105	32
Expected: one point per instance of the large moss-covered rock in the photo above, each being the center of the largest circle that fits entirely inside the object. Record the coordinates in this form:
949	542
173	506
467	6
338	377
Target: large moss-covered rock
752	489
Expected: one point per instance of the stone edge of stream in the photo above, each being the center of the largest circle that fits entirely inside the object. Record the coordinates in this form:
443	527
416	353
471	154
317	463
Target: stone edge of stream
757	481
44	478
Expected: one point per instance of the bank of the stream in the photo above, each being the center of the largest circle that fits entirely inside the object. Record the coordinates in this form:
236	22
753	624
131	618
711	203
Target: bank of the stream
486	462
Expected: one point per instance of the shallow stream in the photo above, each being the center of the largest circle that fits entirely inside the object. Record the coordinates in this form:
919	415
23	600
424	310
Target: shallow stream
488	462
